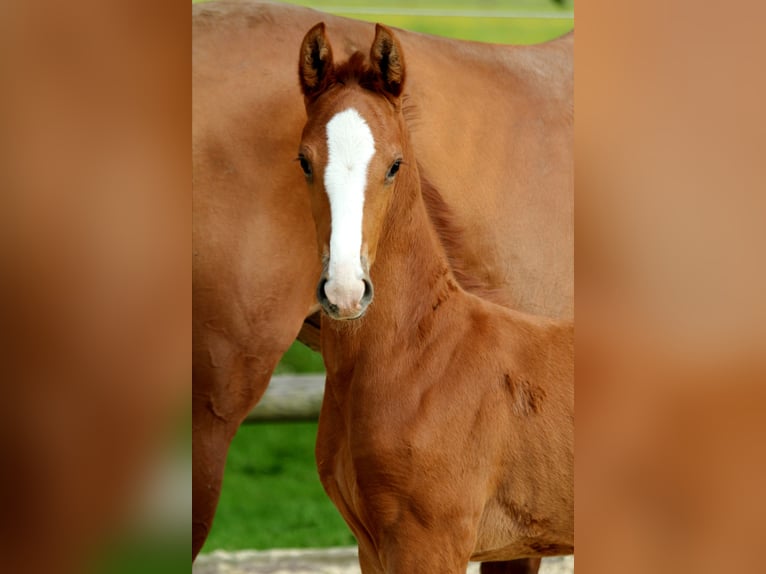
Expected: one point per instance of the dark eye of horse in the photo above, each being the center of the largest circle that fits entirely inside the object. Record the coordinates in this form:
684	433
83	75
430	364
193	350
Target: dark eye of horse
305	166
393	169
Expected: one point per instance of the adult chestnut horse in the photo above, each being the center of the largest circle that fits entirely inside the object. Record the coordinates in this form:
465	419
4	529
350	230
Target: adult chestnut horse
497	117
447	426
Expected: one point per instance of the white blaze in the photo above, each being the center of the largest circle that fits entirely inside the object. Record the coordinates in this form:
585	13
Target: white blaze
350	148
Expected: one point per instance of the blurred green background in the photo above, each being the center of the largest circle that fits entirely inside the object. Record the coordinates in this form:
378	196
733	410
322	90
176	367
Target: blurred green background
271	495
459	18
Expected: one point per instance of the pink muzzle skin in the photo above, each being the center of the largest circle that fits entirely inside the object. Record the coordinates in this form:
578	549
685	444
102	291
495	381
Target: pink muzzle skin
344	300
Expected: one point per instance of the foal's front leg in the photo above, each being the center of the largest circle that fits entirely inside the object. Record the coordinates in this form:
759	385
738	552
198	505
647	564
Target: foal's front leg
368	561
412	547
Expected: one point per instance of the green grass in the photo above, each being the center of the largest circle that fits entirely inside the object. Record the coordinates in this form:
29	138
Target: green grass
271	495
496	30
299	359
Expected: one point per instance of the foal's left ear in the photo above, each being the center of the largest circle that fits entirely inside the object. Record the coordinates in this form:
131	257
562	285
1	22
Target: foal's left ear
387	60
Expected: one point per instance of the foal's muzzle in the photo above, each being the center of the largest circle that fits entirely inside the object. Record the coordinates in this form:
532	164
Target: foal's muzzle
349	309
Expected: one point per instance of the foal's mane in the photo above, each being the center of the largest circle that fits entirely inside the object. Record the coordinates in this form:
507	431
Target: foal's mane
357	69
450	233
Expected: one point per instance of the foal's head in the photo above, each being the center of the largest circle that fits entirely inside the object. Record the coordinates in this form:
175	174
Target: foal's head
350	153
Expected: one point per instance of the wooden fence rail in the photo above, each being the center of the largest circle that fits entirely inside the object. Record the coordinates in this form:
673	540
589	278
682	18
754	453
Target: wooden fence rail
290	398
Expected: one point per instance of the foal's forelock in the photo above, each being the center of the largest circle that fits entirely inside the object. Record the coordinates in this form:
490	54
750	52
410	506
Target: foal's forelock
350	148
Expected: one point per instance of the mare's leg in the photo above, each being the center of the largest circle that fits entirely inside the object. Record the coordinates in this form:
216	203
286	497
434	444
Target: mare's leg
519	566
214	424
229	378
211	437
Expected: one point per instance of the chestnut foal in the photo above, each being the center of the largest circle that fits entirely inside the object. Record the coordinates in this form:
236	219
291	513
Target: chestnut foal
446	431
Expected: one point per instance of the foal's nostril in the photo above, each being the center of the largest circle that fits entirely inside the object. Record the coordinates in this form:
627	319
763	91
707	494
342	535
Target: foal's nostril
368	291
321	295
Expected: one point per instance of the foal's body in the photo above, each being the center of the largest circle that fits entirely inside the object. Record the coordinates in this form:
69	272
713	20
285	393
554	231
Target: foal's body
447	424
446	432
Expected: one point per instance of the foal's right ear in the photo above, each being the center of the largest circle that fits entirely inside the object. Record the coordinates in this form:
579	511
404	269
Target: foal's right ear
315	66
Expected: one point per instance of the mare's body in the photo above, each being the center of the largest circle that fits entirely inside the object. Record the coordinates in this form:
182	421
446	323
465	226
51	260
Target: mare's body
255	270
446	432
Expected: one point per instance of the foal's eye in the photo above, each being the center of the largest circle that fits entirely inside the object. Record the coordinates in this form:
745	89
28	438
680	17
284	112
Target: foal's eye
393	169
305	165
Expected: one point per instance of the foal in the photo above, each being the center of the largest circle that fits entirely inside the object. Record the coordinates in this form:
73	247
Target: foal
446	431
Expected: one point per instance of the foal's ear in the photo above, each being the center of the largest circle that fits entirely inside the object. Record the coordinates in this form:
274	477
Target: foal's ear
315	66
387	60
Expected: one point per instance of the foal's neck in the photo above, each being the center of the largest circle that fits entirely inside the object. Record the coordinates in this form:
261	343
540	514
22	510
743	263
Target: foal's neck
414	274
